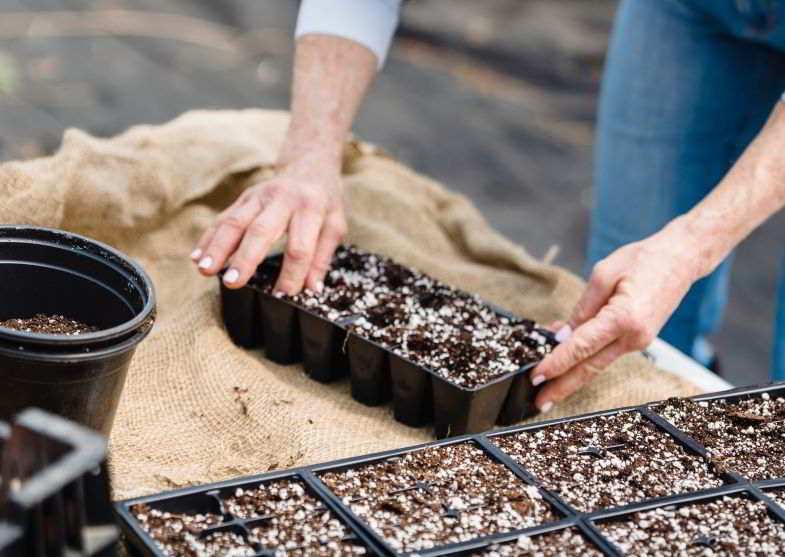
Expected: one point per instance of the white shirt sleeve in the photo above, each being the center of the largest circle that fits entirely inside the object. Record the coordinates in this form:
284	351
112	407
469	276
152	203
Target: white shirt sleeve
371	23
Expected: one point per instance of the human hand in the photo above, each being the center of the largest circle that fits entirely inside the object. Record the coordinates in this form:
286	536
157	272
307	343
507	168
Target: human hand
630	296
304	201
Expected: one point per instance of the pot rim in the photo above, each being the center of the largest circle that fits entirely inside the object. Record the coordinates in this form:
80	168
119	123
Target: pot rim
73	356
110	256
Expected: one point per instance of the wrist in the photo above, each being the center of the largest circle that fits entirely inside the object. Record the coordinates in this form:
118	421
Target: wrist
317	159
702	249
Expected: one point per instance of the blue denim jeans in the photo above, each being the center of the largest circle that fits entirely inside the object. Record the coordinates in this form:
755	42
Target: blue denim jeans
687	86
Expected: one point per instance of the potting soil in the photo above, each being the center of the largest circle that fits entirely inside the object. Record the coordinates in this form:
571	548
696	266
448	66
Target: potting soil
152	190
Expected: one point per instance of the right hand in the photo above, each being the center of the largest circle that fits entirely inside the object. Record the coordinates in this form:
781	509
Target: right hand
305	201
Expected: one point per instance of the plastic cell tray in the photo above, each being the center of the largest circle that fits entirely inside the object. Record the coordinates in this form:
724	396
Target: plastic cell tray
567	516
290	333
212	499
55	493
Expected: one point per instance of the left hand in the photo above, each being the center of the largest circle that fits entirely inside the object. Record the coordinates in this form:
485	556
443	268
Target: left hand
630	296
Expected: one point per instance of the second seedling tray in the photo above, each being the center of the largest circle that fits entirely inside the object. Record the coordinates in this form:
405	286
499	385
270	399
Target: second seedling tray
330	350
375	521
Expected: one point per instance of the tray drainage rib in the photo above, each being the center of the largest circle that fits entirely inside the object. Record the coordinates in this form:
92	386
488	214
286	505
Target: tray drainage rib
773	506
588	529
675	432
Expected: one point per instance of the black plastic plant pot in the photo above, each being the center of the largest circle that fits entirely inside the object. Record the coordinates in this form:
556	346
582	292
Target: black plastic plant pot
280	330
323	353
458	411
52	272
370	371
412	392
240	310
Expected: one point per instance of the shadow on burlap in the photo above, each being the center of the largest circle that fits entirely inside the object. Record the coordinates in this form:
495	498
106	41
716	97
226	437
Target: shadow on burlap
152	190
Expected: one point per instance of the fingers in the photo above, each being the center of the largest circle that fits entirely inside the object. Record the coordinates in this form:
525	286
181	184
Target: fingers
602	284
220	240
333	232
259	237
557	390
300	248
585	341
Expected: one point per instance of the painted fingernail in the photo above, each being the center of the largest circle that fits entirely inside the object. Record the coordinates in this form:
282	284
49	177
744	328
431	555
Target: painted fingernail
196	254
231	276
538	380
206	263
547	407
563	333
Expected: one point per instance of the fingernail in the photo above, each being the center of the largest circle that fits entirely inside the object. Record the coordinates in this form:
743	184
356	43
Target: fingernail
206	263
279	293
231	276
563	333
319	287
196	254
538	380
547	407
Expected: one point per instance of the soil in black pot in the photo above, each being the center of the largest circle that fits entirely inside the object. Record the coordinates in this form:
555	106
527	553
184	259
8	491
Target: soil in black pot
439	495
746	436
48	324
296	522
727	526
563	543
608	461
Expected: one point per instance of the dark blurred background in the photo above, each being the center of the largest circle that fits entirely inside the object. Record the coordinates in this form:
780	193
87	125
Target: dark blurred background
495	99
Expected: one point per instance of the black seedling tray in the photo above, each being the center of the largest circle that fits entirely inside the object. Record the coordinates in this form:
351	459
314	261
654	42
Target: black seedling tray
211	499
55	496
568	517
330	350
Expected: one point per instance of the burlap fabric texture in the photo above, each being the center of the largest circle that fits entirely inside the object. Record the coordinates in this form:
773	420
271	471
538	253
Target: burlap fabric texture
182	419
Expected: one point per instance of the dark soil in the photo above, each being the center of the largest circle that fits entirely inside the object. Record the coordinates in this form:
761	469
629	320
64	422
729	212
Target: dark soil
296	521
563	543
281	516
175	534
744	436
49	324
439	495
728	526
452	333
608	461
778	495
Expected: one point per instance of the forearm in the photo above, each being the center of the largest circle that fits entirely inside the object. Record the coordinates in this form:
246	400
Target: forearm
331	77
750	193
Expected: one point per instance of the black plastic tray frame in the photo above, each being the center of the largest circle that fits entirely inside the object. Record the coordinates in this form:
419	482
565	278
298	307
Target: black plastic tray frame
329	351
209	500
585	523
56	500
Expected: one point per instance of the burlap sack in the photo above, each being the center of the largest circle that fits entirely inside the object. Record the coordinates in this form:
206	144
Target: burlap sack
151	190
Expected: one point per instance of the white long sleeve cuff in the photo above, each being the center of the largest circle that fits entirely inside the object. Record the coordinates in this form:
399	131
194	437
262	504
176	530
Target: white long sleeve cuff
371	23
